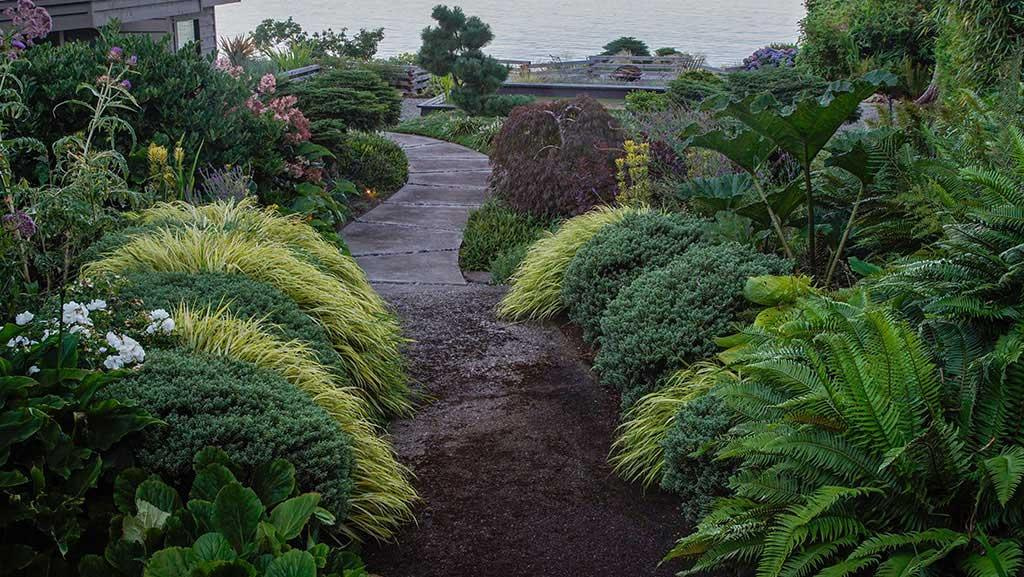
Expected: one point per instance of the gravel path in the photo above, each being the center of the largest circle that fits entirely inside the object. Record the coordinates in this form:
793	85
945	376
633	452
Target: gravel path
510	456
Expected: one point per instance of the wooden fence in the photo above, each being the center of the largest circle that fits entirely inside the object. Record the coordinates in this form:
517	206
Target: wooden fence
643	68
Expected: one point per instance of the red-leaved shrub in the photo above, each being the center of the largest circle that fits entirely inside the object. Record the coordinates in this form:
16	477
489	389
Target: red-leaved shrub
557	158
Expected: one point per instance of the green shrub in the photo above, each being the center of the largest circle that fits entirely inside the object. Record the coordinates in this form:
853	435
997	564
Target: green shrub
502	104
691	470
180	96
330	133
784	83
691	88
263	529
669	316
493	229
646	102
628	45
243	297
252	414
476	132
979	46
358	97
836	35
373	162
616	256
507	262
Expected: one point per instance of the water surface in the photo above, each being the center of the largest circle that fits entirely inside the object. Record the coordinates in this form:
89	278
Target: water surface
725	31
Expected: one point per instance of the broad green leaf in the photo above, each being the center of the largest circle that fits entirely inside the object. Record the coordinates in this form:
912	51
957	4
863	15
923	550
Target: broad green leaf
202	512
159	494
125	486
209	481
18	425
110	421
213	547
170	562
292	515
294	563
863	268
776	290
150	516
804	128
274	482
748	149
210	456
236	513
12	479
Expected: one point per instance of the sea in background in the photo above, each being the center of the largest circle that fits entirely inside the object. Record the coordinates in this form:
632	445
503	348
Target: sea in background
725	31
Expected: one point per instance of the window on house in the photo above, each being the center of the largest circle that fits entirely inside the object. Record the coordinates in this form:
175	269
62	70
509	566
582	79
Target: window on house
186	32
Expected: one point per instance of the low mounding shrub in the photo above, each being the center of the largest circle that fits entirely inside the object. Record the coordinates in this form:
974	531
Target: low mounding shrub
494	229
616	256
557	158
505	264
785	84
691	470
254	415
537	283
373	162
240	295
502	104
690	88
670	316
476	132
359	98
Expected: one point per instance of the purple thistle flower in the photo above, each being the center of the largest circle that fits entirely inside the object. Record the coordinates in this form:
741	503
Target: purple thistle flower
116	53
18	44
126	84
21	222
132	60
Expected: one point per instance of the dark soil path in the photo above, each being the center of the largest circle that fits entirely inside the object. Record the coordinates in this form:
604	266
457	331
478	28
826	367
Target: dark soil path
511	453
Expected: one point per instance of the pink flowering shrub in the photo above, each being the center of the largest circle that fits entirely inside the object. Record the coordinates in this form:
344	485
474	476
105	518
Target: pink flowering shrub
282	108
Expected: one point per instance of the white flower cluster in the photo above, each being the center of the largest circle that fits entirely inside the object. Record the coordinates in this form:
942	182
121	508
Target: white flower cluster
160	321
129	352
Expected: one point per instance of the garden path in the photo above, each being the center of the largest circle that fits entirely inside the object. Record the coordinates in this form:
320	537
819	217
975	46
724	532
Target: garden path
413	237
510	451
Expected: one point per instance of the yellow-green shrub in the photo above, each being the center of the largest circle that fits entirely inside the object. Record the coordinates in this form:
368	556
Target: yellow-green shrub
537	283
368	343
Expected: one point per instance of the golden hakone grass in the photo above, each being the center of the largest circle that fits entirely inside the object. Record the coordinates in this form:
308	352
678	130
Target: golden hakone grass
638	453
537	283
382	495
368	346
266	223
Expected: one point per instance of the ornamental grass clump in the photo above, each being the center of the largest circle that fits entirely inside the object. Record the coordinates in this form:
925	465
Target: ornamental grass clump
537	283
267	224
616	256
368	344
381	493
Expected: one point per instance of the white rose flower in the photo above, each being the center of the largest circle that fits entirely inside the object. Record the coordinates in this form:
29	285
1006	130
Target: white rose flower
113	362
158	315
161	322
24	318
97	305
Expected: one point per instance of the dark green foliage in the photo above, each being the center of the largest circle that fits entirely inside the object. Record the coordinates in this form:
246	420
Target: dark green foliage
980	45
505	264
243	297
692	87
329	133
786	84
261	527
616	256
454	47
357	97
179	94
287	34
836	35
502	104
669	316
859	452
646	102
373	162
56	441
691	470
493	229
628	45
252	414
476	132
557	158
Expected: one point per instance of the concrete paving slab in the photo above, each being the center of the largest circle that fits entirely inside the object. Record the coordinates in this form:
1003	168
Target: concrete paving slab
366	238
450	178
425	268
452	218
409	140
417	193
418	164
